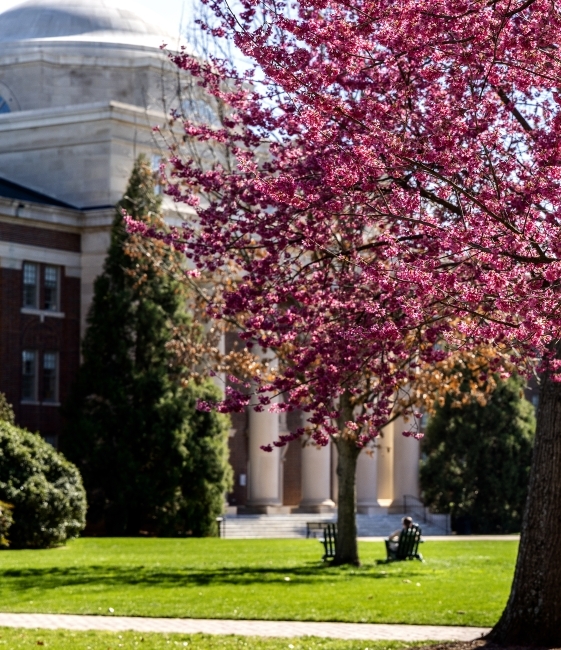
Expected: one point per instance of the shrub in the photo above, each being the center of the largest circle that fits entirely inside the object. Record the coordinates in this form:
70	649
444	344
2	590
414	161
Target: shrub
45	490
6	410
478	458
6	521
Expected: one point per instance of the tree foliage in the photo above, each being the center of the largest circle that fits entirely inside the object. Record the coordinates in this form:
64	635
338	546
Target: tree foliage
478	458
410	150
391	196
150	461
44	489
6	410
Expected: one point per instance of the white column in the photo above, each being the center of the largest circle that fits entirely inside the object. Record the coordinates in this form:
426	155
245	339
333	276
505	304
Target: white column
265	479
385	465
406	464
367	481
316	479
264	467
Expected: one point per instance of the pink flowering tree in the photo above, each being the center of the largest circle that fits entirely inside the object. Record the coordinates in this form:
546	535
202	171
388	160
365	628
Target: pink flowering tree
394	193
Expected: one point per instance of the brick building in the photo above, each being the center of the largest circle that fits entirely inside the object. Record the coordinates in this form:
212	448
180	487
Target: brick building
82	84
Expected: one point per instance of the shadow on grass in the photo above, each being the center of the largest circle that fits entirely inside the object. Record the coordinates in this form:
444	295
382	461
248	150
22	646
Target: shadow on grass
309	574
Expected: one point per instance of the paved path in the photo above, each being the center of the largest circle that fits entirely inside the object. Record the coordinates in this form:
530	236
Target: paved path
363	631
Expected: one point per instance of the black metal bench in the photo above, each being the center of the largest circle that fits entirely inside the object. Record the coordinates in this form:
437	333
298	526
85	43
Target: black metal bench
407	545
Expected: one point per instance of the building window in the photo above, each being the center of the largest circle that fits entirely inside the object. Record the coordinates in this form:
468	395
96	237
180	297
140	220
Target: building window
41	287
50	377
50	288
29	378
4	106
30	285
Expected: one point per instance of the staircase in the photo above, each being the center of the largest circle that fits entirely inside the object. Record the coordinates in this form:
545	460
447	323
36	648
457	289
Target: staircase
294	526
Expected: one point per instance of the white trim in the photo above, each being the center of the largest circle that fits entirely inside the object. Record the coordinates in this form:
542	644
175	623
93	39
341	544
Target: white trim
13	255
42	313
80	113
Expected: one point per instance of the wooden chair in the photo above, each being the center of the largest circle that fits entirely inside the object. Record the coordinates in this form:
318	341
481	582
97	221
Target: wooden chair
407	546
313	527
329	541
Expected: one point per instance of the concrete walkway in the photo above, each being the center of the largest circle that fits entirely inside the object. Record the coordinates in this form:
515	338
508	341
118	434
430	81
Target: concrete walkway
362	631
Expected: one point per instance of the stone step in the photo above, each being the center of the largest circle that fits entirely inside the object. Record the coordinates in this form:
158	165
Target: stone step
294	526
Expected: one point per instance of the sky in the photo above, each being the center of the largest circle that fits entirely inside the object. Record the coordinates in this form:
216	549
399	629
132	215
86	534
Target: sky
169	11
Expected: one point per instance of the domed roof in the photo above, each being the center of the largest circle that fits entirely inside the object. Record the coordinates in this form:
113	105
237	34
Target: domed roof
100	21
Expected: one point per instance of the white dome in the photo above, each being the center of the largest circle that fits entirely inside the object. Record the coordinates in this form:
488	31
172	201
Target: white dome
98	21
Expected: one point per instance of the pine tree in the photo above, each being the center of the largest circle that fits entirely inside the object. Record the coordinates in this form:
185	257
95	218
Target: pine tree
478	458
150	461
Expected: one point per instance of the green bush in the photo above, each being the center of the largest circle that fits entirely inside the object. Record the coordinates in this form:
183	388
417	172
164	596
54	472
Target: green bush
477	459
6	410
6	521
45	490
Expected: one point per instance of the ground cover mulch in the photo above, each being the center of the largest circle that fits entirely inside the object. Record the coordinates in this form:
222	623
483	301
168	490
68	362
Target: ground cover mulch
480	644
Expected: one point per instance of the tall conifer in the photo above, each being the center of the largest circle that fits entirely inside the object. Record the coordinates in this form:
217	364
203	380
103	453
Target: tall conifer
149	460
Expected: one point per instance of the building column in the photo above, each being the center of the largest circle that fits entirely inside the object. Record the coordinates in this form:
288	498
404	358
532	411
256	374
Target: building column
406	465
316	479
265	485
367	481
264	468
385	465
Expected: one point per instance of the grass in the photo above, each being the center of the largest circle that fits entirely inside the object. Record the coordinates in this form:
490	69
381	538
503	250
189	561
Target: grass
461	583
18	639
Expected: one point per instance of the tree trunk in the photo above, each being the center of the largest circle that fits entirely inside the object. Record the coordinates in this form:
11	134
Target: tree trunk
533	612
347	546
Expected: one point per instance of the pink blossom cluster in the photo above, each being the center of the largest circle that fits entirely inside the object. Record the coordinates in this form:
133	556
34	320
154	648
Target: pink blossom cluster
395	191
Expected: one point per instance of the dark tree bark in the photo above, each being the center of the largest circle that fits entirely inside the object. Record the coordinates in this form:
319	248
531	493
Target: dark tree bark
533	612
347	546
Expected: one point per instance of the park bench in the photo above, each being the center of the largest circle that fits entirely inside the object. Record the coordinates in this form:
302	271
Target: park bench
407	545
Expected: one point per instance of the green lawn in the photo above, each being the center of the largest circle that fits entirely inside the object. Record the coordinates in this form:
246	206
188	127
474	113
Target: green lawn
18	639
461	583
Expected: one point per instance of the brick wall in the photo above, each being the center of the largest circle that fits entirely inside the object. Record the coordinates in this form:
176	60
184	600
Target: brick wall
40	237
20	331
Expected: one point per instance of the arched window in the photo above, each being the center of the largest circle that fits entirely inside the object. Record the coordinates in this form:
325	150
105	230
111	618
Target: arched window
4	106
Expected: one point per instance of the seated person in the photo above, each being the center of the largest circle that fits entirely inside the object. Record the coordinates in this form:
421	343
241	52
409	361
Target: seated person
393	539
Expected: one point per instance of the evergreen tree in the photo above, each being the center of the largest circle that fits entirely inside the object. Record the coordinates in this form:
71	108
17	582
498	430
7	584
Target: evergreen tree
150	461
478	458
